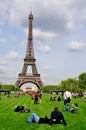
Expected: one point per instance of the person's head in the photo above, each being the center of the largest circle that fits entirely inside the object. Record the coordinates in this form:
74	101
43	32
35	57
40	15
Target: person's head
76	104
55	108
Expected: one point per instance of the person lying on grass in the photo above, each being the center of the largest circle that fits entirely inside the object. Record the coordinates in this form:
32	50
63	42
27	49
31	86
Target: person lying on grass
36	119
21	109
56	118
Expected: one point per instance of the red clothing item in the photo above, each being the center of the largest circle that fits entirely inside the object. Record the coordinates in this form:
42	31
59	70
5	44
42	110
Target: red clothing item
37	95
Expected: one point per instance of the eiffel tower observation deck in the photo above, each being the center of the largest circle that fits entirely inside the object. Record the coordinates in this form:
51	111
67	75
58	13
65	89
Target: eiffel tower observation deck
29	62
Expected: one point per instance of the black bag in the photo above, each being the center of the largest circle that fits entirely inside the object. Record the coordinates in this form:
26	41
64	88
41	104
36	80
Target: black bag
68	99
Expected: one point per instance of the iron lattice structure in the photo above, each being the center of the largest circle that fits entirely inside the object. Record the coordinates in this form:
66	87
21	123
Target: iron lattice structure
29	61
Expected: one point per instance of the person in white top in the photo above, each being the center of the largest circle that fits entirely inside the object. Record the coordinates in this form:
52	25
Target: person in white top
67	98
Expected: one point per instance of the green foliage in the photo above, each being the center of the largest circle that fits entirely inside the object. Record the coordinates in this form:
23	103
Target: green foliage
0	86
82	80
49	88
70	84
10	87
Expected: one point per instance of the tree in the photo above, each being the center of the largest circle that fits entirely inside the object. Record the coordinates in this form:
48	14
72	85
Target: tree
82	80
10	87
49	88
69	84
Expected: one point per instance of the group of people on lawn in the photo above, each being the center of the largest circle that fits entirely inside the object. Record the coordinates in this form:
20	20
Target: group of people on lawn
56	117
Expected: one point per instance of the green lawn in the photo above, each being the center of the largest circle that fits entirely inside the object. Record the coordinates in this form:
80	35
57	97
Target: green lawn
10	120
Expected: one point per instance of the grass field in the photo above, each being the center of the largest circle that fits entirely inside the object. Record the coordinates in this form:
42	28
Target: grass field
10	120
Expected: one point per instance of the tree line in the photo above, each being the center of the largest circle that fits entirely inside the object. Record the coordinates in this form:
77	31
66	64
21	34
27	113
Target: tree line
10	87
73	84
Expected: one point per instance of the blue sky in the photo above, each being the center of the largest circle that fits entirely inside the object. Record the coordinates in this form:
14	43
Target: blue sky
59	37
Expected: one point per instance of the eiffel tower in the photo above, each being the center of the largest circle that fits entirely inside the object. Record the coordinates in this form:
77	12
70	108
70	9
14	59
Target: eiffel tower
29	61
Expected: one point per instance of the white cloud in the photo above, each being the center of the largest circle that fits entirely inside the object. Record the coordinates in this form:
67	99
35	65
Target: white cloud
0	31
44	48
12	55
44	76
7	73
3	40
70	25
76	46
43	35
7	70
4	6
59	19
52	22
18	12
46	68
3	61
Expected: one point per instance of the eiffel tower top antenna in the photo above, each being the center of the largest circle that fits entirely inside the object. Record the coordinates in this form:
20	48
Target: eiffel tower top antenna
30	51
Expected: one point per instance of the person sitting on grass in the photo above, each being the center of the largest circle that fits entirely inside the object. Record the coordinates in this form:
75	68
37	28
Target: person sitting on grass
57	117
74	108
36	119
21	109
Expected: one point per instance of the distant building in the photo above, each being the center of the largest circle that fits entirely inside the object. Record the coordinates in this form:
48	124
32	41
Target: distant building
33	88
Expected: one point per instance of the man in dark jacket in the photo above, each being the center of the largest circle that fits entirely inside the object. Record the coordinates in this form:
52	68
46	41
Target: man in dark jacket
57	117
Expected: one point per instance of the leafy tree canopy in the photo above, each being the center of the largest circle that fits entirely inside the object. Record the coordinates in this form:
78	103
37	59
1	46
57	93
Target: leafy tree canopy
82	80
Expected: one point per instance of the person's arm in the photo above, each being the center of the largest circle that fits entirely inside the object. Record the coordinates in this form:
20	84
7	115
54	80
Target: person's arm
63	120
51	117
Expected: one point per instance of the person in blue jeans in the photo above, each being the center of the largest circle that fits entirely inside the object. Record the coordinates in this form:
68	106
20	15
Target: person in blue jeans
67	98
36	119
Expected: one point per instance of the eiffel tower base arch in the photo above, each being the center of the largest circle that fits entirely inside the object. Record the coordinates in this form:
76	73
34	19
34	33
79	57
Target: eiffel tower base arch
35	79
